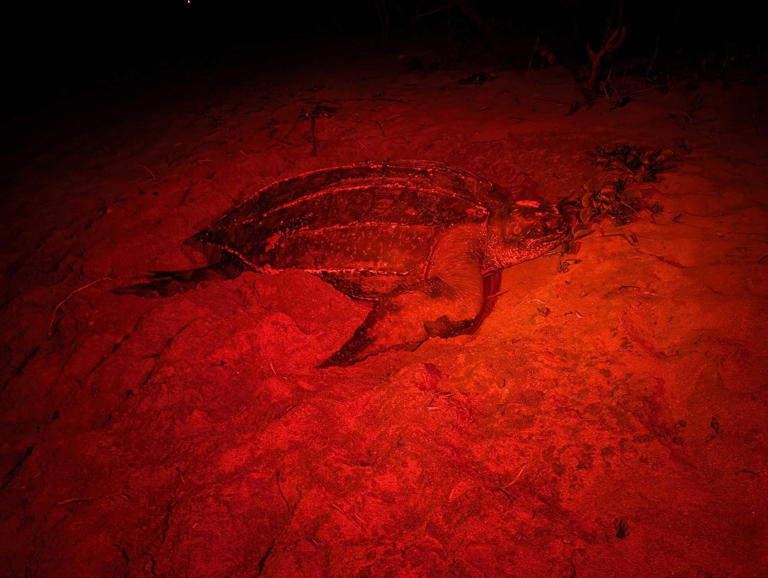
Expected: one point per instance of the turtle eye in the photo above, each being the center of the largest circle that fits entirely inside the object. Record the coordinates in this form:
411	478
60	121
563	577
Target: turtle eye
551	224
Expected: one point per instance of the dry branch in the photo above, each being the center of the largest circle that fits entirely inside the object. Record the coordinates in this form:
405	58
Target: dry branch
61	303
612	42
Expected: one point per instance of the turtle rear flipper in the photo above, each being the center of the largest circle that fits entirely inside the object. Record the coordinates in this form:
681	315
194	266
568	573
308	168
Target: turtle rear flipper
167	283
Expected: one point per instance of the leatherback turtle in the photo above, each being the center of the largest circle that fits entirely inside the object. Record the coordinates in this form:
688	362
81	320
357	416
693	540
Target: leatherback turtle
424	241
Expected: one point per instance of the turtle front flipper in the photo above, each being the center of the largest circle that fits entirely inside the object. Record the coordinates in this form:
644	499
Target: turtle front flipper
405	319
447	303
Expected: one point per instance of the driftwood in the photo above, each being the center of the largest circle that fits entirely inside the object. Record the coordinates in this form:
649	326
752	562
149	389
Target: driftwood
612	42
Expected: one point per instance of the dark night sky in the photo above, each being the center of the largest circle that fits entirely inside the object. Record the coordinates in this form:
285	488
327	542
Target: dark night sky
57	52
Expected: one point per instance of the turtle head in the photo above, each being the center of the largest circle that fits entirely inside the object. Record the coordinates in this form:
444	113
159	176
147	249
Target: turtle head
528	229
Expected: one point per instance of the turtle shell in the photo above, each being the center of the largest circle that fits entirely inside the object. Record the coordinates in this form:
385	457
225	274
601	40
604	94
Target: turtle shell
365	228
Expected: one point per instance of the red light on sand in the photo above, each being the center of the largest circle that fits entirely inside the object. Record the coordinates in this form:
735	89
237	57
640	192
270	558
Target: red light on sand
346	393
